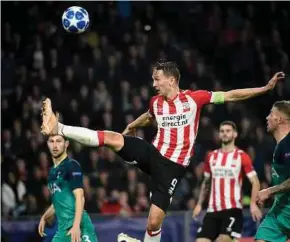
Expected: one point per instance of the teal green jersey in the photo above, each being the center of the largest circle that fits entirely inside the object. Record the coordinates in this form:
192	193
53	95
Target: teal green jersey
62	181
281	172
275	226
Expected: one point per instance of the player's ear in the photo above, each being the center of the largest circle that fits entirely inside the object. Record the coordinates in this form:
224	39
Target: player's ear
66	143
235	134
172	81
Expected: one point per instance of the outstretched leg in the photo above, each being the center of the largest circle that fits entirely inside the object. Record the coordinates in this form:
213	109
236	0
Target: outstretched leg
131	149
51	126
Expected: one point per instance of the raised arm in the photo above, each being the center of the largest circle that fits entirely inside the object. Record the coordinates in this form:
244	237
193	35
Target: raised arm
203	97
247	93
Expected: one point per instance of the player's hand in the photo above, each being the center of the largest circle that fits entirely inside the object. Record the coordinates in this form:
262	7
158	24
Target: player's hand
263	195
41	227
255	212
129	131
272	83
75	233
196	210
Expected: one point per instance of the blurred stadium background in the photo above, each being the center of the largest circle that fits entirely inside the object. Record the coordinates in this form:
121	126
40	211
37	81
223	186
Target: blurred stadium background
102	80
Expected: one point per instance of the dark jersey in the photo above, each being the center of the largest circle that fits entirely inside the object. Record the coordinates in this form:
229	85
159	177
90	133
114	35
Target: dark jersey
62	181
281	171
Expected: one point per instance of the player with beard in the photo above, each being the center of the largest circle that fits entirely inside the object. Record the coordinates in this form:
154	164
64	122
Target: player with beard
276	225
65	182
176	113
223	172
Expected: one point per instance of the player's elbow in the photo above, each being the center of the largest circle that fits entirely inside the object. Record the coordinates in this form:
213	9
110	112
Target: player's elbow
79	193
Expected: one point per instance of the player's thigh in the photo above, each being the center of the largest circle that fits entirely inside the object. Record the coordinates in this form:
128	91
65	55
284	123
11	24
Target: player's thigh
56	239
232	223
89	236
283	220
209	230
88	233
136	151
269	230
165	176
61	237
224	238
203	240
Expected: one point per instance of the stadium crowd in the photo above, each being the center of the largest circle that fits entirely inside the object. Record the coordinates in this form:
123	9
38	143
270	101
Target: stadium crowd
102	80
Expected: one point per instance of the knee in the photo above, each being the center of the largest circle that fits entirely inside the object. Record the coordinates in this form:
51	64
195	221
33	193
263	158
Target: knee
224	238
154	223
114	140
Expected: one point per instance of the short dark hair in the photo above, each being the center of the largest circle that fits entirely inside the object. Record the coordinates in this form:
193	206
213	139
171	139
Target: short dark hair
52	135
231	123
170	68
283	106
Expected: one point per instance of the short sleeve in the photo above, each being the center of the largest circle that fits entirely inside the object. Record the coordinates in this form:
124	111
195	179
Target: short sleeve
286	157
207	171
201	97
75	175
247	165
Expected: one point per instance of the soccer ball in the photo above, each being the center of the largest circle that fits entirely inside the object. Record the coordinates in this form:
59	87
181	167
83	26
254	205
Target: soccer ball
75	20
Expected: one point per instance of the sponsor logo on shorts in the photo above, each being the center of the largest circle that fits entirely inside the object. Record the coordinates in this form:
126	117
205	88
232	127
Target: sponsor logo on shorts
172	187
132	162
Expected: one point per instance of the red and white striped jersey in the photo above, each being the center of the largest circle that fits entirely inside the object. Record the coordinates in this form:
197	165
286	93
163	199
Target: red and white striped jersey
177	122
226	170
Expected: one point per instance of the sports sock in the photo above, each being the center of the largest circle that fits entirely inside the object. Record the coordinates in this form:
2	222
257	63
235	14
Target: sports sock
83	135
152	236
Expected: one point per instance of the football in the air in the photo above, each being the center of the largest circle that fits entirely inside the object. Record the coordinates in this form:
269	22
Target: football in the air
75	20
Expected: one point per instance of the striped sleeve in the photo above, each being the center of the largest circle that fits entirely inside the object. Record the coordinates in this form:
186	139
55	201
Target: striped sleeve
247	165
201	97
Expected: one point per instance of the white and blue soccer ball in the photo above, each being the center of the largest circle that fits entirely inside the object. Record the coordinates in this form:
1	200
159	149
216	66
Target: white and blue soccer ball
75	20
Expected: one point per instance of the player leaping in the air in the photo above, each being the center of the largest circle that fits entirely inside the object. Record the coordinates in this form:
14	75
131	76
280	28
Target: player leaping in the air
177	115
276	225
65	183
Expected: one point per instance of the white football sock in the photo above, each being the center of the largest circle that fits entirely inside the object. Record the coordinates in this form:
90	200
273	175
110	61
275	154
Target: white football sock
82	135
153	236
